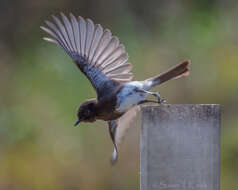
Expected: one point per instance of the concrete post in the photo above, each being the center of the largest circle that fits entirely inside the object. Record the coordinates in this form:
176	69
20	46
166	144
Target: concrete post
180	147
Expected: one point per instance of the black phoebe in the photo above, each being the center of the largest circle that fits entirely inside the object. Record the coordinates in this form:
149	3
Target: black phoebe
103	60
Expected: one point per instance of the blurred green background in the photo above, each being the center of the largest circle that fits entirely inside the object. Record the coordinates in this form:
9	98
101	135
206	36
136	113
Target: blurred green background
41	88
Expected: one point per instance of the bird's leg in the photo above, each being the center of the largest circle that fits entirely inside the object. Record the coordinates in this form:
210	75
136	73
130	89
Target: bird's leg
156	94
147	101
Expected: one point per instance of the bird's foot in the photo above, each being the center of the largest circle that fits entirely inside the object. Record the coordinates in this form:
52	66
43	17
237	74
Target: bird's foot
160	100
156	94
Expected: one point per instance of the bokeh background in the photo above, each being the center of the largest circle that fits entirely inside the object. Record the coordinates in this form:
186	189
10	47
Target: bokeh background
40	87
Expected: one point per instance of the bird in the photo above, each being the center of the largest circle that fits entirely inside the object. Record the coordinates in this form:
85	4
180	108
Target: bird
103	60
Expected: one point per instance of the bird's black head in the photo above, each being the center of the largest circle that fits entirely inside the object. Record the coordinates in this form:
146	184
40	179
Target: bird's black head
87	111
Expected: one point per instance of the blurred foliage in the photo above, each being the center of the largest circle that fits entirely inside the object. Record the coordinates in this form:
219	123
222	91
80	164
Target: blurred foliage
41	88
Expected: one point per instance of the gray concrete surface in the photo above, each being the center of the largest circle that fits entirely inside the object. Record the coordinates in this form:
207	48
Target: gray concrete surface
180	147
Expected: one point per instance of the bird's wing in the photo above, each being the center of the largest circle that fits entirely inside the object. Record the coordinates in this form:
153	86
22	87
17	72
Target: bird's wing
97	53
118	128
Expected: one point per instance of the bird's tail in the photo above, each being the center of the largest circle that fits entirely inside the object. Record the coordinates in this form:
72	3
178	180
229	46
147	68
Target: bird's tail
175	72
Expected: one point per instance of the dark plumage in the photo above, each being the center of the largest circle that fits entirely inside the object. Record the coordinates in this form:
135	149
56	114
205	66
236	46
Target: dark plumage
103	60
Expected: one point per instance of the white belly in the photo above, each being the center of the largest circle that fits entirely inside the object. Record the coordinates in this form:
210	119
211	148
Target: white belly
129	97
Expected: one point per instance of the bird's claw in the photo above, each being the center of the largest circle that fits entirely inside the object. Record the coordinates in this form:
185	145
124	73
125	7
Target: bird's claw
157	94
160	100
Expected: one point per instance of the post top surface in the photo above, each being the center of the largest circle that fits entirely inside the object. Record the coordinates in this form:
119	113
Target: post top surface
169	105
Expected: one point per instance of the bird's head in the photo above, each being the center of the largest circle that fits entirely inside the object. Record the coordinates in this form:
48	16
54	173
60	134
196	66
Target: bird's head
87	111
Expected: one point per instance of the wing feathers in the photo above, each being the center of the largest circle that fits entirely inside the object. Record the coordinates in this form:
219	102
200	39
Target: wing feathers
82	27
125	122
121	76
96	38
113	44
51	40
63	32
124	68
104	41
69	31
94	44
76	32
118	129
122	59
56	32
90	34
114	55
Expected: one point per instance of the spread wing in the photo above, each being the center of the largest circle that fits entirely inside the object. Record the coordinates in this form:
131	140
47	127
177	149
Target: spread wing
118	129
97	53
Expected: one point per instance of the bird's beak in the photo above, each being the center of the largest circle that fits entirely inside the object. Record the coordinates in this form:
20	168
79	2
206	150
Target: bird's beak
77	122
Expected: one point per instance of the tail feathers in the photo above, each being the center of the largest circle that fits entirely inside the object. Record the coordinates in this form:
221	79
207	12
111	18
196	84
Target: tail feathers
175	72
